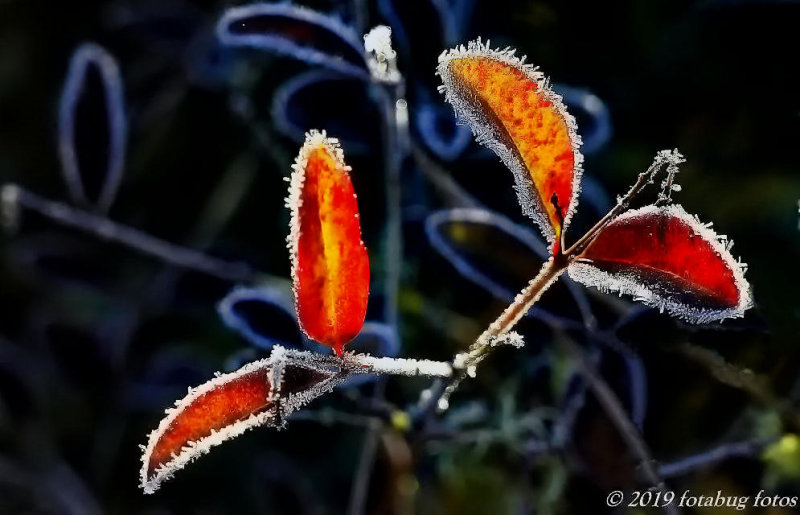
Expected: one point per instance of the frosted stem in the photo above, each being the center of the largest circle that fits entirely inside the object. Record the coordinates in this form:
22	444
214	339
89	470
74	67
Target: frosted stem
395	119
498	333
664	157
366	364
523	302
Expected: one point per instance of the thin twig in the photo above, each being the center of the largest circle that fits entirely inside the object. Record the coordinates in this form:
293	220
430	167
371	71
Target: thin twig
395	121
714	456
742	379
358	493
108	230
492	337
642	181
613	407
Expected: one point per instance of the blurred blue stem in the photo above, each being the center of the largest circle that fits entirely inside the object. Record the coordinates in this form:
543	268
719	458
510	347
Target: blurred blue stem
714	456
395	140
614	409
140	241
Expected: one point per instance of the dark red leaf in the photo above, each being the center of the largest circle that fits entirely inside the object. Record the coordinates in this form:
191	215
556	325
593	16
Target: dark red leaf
669	260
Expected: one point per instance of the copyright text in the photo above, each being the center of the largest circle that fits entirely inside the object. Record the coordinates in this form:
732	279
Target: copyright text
686	499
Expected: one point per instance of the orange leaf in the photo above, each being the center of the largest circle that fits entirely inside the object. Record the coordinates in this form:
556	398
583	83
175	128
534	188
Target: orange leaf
330	266
667	259
209	415
512	110
229	405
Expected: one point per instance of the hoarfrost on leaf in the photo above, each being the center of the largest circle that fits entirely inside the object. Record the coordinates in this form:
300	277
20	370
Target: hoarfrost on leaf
667	259
511	108
330	265
260	393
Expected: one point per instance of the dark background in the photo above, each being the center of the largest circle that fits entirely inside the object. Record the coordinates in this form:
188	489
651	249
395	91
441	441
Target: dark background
96	339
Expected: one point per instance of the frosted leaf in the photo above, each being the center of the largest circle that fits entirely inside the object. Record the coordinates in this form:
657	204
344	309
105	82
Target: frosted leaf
261	393
381	57
330	264
667	259
511	109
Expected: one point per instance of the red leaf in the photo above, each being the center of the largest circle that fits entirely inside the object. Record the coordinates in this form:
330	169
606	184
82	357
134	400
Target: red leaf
330	266
212	413
667	259
230	404
512	110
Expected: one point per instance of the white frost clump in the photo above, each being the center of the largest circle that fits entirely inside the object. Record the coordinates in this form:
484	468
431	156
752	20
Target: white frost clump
381	57
586	273
488	134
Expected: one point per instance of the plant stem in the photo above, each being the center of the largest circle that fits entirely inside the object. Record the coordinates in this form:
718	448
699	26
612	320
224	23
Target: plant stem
549	273
108	230
464	363
365	364
748	448
613	407
395	150
642	181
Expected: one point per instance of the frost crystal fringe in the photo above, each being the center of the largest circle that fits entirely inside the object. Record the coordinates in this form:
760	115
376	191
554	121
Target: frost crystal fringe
486	133
621	282
318	374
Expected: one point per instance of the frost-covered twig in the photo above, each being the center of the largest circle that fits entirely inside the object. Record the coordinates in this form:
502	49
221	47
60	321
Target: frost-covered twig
366	364
670	158
498	332
15	197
